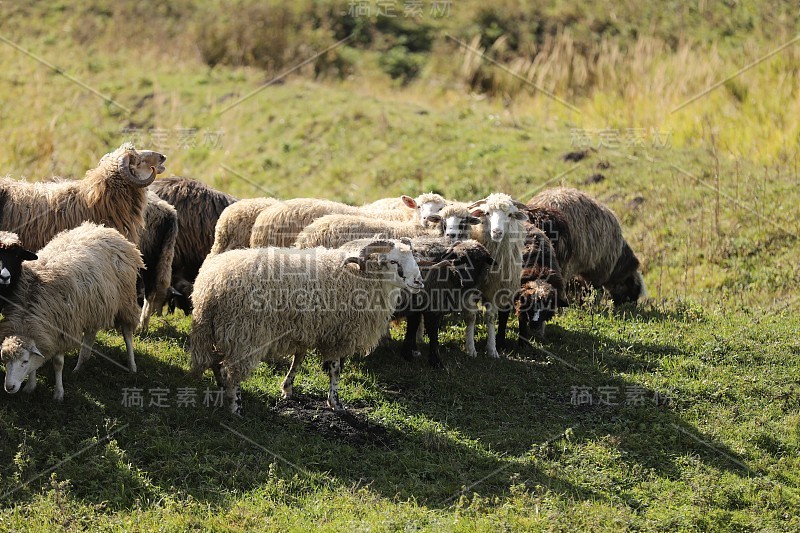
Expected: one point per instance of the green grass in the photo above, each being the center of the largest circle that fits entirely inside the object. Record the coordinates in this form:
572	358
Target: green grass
721	452
480	444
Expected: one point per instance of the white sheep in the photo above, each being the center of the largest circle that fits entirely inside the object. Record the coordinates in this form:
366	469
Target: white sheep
235	224
281	223
114	193
268	303
405	207
83	281
503	233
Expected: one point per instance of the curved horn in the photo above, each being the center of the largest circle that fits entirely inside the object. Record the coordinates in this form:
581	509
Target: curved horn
380	246
473	205
125	164
357	260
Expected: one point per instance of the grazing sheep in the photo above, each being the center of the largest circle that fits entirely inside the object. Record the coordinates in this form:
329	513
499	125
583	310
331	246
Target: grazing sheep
12	254
267	303
113	193
83	281
199	207
158	249
502	233
235	224
592	247
452	274
405	207
542	288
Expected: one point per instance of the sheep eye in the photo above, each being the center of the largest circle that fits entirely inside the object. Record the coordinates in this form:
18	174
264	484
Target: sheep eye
393	262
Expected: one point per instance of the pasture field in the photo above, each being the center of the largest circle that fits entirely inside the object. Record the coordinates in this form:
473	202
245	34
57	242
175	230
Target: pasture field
679	413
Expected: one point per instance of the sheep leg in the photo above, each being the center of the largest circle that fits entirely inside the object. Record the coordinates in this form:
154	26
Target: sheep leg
501	328
216	368
432	324
524	333
233	396
491	318
333	368
288	382
470	334
127	334
420	338
144	318
409	347
86	349
58	366
30	385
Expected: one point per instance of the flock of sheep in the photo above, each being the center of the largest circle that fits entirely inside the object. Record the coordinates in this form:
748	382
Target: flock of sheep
265	278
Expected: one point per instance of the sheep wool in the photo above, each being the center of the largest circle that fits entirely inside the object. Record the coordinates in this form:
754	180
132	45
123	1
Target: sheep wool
113	193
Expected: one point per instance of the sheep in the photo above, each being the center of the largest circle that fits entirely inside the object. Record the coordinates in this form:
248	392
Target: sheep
83	281
405	207
332	231
455	221
235	224
199	207
592	246
502	233
113	193
12	254
542	288
280	224
452	275
157	245
266	303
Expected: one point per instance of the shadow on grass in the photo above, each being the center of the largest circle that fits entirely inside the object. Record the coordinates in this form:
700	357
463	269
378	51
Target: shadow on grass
477	424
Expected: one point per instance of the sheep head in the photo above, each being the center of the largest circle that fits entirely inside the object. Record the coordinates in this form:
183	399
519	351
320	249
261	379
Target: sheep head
499	209
454	222
138	167
392	258
12	254
21	357
426	205
536	302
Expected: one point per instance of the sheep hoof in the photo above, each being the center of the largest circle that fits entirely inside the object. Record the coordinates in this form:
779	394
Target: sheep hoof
416	353
287	393
58	395
493	354
472	352
132	368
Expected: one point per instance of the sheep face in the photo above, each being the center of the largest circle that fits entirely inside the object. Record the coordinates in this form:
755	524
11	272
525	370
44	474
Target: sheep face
499	220
456	228
21	358
11	259
426	205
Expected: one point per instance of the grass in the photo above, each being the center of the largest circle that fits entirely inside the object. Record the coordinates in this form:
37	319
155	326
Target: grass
480	444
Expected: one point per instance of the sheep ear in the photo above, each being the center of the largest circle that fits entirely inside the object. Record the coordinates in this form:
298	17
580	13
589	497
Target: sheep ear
34	350
410	202
519	215
27	255
435	219
472	220
478	213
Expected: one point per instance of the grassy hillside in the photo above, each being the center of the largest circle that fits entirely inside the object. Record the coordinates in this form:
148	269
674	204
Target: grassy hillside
707	195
